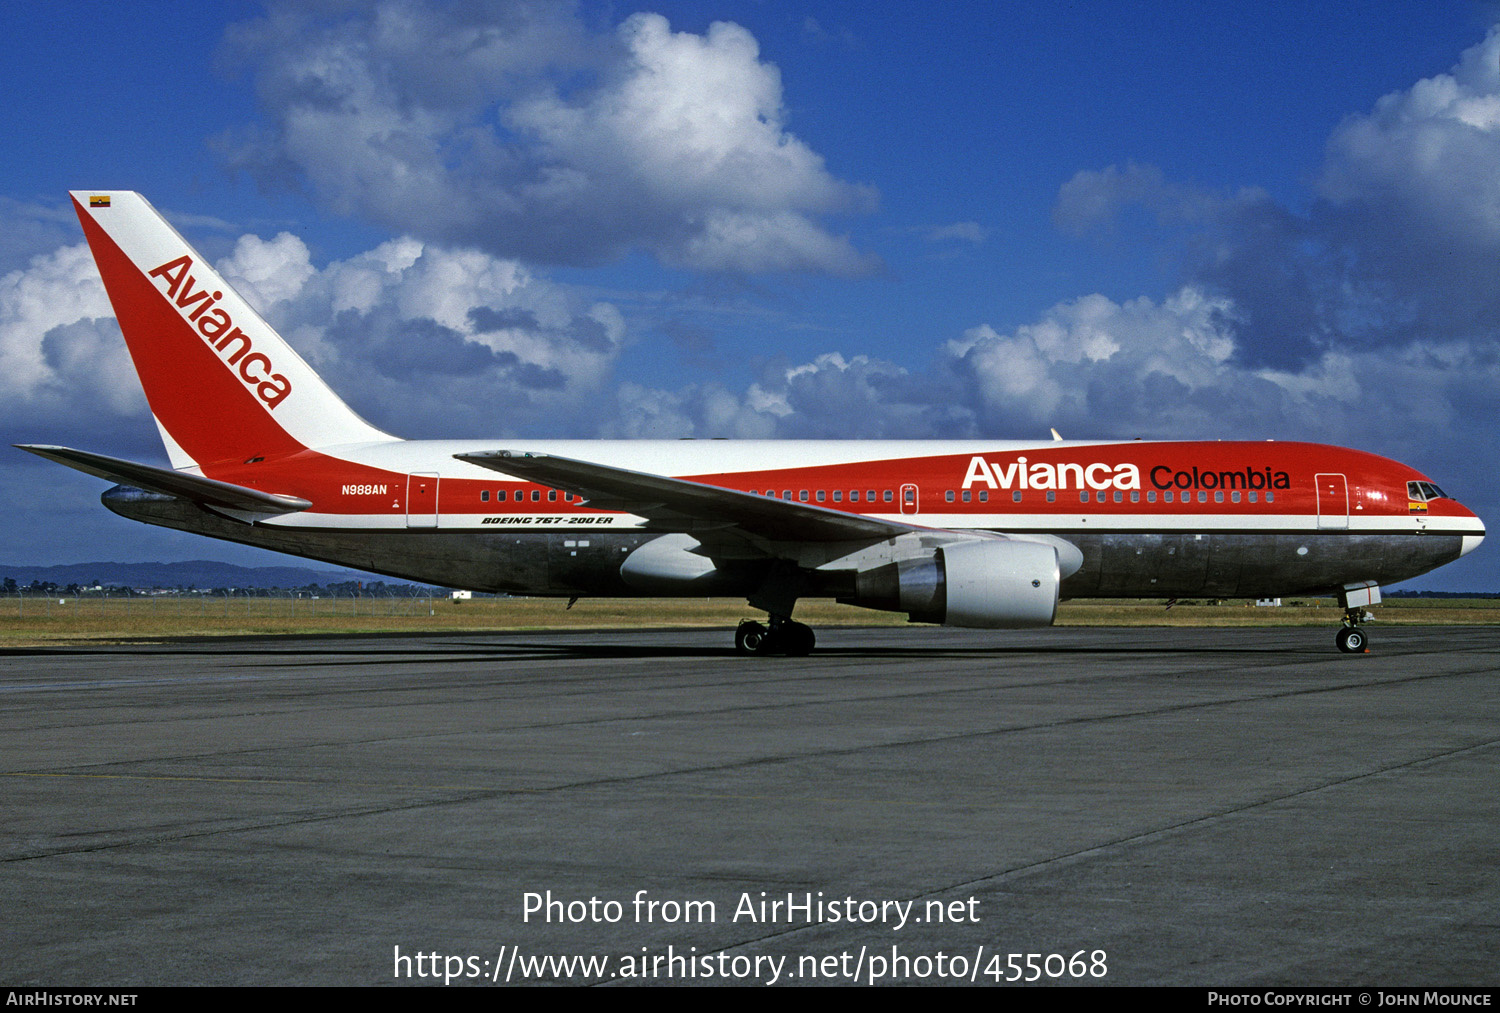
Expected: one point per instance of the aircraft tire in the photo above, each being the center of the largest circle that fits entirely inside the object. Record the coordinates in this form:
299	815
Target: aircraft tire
751	638
798	640
1352	640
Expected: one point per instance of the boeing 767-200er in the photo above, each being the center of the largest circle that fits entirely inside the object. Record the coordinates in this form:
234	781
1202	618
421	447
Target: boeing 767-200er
977	533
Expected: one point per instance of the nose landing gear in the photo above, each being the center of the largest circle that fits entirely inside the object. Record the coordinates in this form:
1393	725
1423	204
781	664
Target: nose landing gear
1351	639
1354	597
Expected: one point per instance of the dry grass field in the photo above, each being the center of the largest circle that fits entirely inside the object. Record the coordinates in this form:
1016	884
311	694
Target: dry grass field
35	622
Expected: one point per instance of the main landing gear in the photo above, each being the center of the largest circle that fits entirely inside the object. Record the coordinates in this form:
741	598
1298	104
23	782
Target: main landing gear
1351	639
783	636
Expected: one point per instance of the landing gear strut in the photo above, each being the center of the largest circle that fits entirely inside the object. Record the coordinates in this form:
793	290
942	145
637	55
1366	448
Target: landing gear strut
1351	639
784	636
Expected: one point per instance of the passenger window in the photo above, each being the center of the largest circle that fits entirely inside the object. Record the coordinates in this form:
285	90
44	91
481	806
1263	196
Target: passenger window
1202	496
484	495
870	496
1151	496
1119	496
1083	497
551	495
1168	496
968	496
1015	497
888	497
1235	495
536	495
853	495
1051	497
821	496
802	495
838	495
1270	496
1135	496
1219	496
1254	496
947	496
984	496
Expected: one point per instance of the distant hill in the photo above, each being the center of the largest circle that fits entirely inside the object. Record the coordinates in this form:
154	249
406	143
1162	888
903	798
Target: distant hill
193	573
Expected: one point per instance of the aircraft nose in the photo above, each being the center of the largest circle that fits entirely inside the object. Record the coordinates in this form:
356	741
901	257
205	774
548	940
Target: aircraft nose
1471	541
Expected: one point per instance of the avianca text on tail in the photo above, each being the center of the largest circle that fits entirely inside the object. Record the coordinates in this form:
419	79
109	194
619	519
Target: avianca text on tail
218	329
980	533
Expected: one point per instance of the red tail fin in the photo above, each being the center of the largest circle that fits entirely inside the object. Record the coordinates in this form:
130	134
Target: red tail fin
222	384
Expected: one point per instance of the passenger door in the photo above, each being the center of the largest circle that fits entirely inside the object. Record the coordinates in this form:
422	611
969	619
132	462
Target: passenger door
422	500
1333	501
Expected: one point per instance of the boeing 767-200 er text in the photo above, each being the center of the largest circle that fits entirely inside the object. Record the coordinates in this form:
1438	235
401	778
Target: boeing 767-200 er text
976	533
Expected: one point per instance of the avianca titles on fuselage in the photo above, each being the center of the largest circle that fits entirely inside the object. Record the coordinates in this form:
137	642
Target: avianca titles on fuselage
974	533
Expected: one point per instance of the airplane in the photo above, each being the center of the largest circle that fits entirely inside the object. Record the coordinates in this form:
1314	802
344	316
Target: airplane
976	533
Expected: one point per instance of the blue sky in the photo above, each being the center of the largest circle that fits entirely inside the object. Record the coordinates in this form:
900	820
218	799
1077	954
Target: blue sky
1194	220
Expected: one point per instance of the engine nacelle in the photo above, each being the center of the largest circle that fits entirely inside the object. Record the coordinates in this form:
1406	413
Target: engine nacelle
989	584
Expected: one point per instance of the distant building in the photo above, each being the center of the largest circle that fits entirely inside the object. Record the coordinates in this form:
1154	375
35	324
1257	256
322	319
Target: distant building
1271	602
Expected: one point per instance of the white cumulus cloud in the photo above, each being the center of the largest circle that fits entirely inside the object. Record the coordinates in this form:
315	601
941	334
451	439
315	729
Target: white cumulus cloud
1428	154
510	129
60	349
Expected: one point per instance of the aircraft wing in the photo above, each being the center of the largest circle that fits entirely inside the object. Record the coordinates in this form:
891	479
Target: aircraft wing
686	505
196	488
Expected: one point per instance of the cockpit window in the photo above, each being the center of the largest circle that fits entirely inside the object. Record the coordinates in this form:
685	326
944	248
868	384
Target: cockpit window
1424	491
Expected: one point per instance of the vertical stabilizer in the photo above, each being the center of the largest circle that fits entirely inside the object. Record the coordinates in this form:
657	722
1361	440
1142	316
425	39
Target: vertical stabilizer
222	384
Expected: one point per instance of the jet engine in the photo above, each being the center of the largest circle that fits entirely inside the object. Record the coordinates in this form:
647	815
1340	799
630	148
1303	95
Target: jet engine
989	584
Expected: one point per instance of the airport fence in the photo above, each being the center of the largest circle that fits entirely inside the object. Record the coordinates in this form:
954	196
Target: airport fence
256	603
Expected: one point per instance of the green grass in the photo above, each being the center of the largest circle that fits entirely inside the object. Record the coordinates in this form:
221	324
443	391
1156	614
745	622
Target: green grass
143	619
1292	612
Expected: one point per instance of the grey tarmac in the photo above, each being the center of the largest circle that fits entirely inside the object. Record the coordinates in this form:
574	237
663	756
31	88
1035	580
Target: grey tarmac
1206	806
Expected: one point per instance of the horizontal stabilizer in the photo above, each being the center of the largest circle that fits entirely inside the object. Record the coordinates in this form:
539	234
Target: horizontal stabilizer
196	488
672	500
